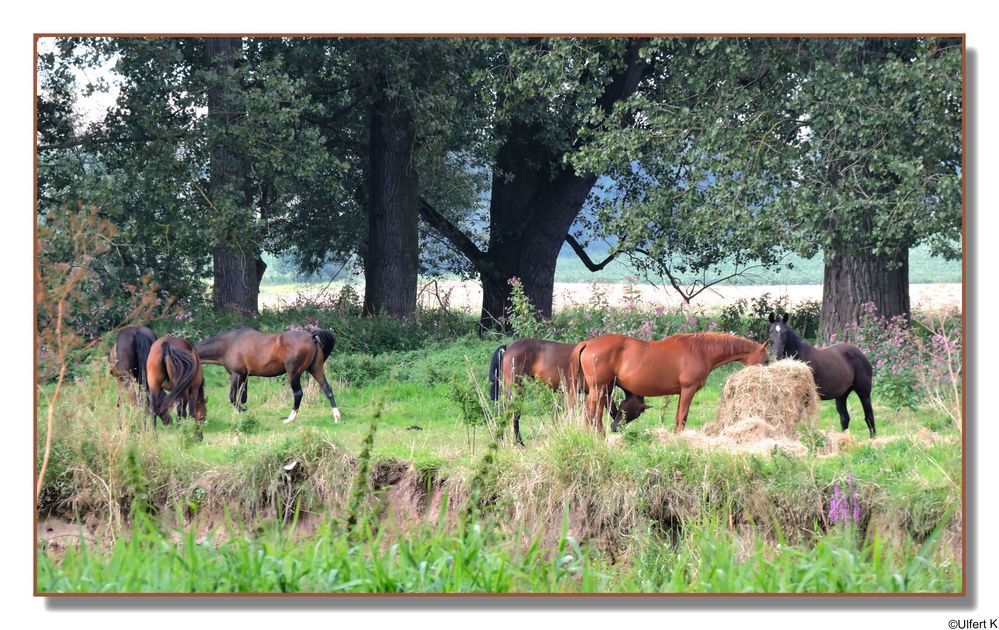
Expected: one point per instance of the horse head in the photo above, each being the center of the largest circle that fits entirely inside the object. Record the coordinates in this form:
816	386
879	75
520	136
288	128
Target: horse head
780	333
759	356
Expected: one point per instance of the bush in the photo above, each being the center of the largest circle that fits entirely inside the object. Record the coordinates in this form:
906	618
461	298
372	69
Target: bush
913	364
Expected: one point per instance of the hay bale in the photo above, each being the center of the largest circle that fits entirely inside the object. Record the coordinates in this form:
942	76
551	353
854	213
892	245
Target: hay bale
766	401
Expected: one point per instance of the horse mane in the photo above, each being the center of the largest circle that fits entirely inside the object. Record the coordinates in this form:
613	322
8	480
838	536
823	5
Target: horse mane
717	342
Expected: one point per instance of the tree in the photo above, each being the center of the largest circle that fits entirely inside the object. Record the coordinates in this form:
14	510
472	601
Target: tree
851	146
543	93
877	170
205	150
689	177
401	109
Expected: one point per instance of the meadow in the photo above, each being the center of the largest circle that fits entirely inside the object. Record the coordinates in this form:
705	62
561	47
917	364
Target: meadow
420	488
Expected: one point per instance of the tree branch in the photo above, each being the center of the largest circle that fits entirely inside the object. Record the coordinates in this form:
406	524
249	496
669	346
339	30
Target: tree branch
583	256
452	233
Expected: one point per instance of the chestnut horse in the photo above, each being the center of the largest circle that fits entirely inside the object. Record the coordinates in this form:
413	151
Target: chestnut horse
838	370
679	364
547	361
127	358
245	352
174	365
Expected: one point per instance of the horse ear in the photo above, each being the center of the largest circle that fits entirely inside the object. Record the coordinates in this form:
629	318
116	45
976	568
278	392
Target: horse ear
784	318
765	344
772	318
645	406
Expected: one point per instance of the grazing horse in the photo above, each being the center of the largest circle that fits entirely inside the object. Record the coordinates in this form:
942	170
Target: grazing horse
547	361
245	352
679	364
127	358
838	370
174	365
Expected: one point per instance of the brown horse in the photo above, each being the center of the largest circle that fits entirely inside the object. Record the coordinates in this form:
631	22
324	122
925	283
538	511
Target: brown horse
174	365
127	359
547	361
245	352
679	364
838	370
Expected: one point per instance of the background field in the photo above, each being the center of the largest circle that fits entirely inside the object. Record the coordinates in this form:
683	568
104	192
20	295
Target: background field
923	269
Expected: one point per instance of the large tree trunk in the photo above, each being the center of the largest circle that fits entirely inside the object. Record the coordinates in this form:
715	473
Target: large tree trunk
531	211
853	280
237	266
236	279
391	263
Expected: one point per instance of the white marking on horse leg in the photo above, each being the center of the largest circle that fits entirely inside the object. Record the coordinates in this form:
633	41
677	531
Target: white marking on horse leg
336	415
291	418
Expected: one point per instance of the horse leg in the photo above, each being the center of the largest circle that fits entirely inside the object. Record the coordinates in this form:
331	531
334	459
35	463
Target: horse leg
844	413
320	376
682	409
154	401
614	412
195	404
237	391
243	390
865	400
595	404
296	388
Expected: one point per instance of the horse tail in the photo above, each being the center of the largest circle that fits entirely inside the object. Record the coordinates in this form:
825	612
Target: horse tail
326	341
142	348
575	365
184	368
496	373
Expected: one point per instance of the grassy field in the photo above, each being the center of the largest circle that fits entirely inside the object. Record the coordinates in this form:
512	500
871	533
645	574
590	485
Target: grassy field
406	495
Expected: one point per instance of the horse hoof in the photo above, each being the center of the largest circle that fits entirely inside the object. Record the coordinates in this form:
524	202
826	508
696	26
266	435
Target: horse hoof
291	418
336	416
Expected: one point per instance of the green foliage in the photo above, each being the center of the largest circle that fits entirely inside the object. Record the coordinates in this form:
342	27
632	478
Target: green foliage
750	317
522	315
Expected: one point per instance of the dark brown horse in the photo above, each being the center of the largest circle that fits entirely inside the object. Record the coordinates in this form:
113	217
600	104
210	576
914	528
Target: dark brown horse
838	370
245	352
174	365
679	364
128	356
547	361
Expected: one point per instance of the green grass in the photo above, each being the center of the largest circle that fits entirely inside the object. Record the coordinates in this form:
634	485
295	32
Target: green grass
640	514
710	559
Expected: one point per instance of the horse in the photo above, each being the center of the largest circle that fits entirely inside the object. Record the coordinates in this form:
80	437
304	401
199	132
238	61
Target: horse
246	352
173	364
547	361
838	370
679	364
127	359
